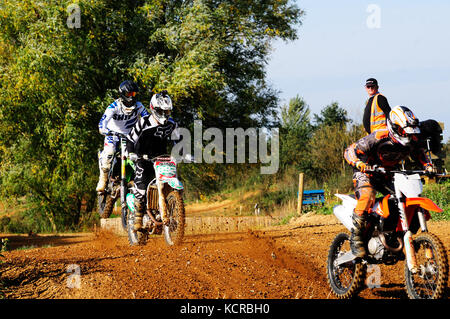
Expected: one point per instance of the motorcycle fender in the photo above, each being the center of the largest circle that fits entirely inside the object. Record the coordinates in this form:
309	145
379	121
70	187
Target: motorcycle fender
423	202
345	258
411	209
175	183
344	212
344	215
382	208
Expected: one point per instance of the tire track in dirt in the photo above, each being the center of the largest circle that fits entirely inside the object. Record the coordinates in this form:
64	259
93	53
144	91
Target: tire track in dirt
279	262
238	265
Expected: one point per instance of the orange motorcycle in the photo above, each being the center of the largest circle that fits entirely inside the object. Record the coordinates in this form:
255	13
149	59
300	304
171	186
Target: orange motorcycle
394	219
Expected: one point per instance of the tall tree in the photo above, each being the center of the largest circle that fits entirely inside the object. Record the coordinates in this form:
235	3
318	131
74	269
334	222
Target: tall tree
295	133
328	144
296	114
332	114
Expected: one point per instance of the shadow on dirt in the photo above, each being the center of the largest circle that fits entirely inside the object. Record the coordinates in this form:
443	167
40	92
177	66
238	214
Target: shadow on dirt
391	290
44	274
36	241
398	291
214	237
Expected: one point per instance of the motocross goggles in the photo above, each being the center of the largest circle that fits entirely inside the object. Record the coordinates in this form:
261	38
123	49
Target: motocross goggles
407	130
162	113
130	94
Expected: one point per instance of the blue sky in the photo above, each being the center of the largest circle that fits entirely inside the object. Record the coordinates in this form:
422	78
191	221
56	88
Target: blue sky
340	46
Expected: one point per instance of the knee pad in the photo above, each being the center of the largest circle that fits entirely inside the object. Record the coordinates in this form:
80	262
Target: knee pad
105	158
139	194
366	199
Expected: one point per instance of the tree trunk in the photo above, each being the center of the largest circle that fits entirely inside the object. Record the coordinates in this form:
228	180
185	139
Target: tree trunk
52	221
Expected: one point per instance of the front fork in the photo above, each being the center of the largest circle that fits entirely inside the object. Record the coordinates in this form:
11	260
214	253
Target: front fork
407	238
123	202
423	226
162	202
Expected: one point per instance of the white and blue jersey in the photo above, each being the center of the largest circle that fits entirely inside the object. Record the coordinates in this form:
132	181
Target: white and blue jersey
115	120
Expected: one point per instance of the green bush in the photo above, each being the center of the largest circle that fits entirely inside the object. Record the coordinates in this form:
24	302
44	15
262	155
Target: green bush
439	193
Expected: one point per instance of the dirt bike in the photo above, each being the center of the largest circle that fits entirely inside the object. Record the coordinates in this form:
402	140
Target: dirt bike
164	212
119	177
388	239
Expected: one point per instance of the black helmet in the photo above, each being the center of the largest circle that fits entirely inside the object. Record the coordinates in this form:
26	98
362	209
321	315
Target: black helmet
127	91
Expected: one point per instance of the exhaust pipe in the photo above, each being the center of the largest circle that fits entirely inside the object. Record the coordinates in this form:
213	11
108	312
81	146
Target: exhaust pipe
153	218
394	250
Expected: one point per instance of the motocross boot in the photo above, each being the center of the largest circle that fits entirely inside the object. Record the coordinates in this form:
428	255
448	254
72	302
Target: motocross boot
138	214
356	239
102	180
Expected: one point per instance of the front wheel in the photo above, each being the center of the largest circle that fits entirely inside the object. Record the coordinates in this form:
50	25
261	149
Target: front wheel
431	279
348	279
174	231
139	237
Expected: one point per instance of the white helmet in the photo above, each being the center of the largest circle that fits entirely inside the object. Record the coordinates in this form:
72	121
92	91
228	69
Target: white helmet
161	106
403	125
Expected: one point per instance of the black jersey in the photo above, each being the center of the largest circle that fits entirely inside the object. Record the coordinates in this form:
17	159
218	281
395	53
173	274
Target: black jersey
150	138
378	148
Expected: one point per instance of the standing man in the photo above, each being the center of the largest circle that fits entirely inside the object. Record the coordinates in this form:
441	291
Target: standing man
377	108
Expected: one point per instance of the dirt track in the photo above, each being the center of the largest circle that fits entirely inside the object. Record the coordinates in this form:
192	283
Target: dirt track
279	262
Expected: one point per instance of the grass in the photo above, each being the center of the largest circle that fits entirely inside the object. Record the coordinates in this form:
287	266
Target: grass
439	193
4	245
277	195
286	219
26	247
280	198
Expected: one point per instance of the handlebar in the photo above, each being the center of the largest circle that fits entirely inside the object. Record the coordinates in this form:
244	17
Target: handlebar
116	134
421	172
145	157
382	170
164	158
408	171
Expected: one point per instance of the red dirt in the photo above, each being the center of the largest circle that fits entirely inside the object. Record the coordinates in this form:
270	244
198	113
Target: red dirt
280	262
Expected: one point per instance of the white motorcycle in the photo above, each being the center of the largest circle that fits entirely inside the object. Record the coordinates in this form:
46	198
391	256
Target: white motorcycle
164	211
388	238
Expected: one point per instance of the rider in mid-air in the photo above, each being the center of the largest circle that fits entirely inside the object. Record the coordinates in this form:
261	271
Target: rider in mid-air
382	148
151	136
119	117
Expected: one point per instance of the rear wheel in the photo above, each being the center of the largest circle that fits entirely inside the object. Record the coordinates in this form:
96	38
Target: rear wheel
105	204
174	231
431	279
348	279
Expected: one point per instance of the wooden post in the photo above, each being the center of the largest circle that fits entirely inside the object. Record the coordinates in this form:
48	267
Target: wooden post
300	193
